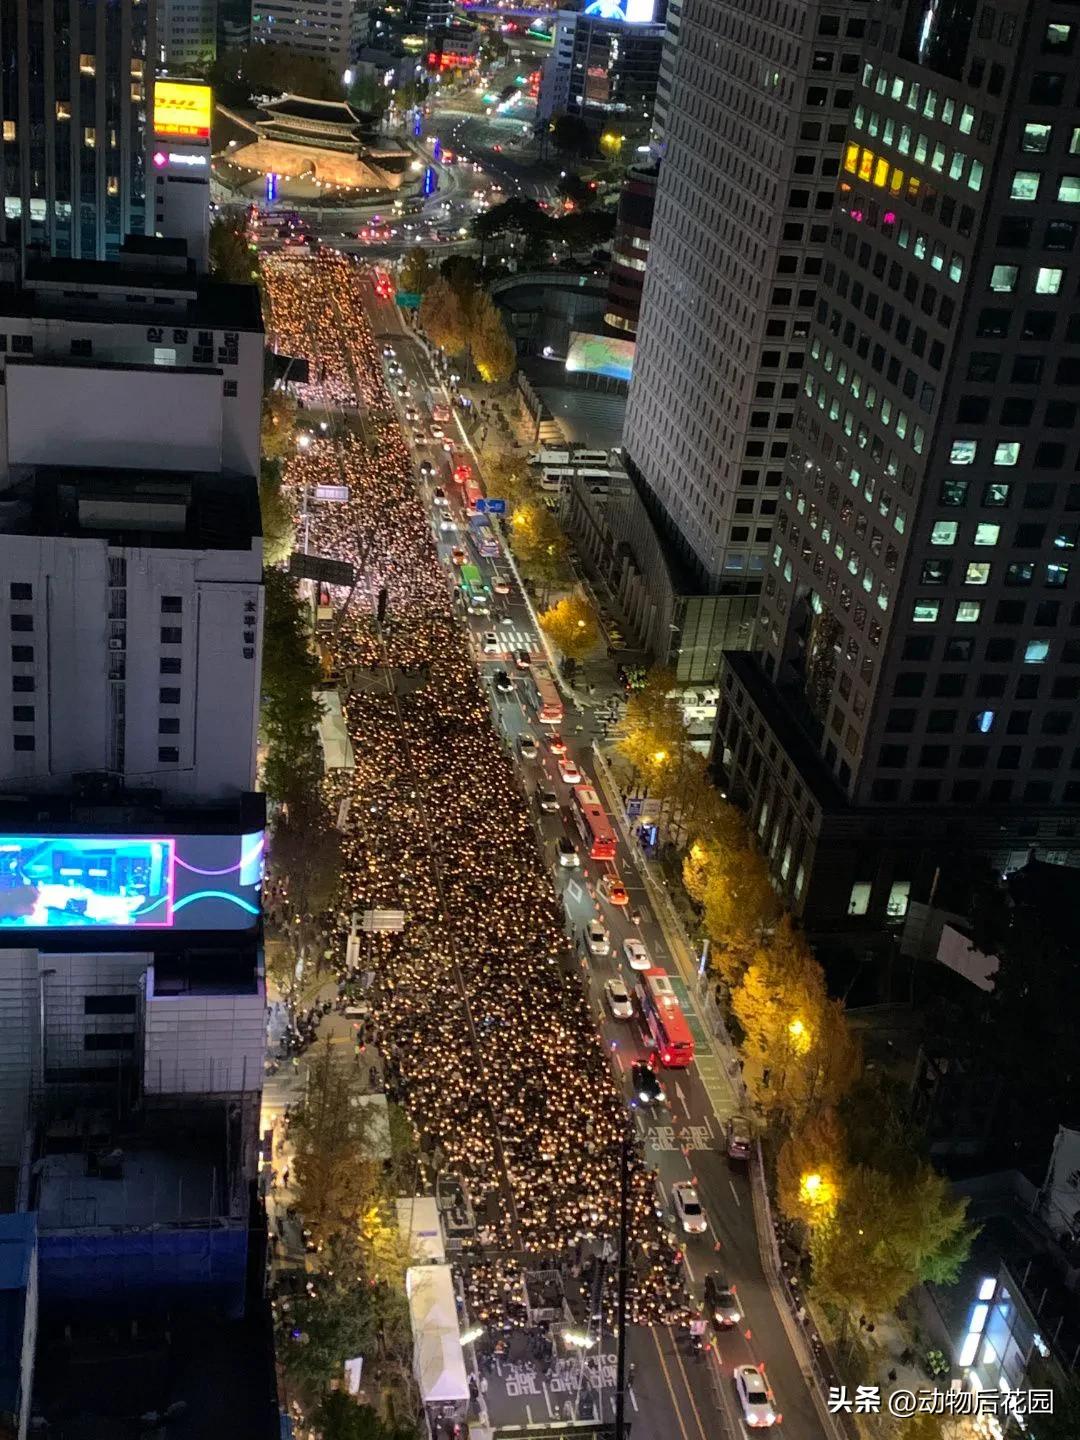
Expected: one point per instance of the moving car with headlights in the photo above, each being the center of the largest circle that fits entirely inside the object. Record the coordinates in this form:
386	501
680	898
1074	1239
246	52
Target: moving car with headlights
740	1138
427	469
457	555
636	954
528	748
503	683
613	890
548	801
569	771
721	1302
597	939
569	859
646	1083
556	744
755	1397
491	644
438	497
618	1000
687	1204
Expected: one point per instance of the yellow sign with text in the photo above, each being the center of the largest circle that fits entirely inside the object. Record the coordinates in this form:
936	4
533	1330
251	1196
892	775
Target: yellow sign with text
182	110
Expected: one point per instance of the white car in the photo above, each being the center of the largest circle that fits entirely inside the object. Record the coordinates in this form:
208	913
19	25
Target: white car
528	748
638	958
569	771
597	939
448	525
618	1000
755	1396
437	432
684	1196
491	643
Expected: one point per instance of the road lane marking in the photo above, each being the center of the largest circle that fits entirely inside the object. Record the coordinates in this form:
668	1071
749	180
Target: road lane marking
690	1396
735	1194
667	1382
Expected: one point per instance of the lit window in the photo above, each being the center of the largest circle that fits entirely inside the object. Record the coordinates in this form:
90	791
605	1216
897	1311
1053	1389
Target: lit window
956	268
956	165
975	175
944	532
859	900
63	109
1074	141
967	120
925	612
1007	452
897	904
1057	575
87	65
112	187
1069	189
1048	280
987	534
89	136
962	452
1035	139
1036	651
1003	279
997	493
1025	185
1058	38
968	611
984	721
977	573
9	129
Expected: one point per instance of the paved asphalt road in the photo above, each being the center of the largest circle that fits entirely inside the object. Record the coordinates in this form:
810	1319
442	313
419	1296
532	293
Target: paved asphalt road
675	1394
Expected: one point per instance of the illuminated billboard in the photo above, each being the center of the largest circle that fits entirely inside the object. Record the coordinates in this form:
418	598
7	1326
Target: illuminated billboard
631	12
112	882
600	355
182	110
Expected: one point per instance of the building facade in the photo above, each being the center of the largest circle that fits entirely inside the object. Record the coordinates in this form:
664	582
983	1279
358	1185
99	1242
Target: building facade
603	70
630	250
326	30
187	32
666	76
75	89
915	694
754	130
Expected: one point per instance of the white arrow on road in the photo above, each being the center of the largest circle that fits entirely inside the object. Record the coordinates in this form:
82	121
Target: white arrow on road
678	1092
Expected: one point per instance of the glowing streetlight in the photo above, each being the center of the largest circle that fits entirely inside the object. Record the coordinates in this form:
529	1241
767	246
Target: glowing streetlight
659	756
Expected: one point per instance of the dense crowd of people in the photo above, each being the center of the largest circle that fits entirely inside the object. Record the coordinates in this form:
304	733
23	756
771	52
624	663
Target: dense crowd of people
499	1059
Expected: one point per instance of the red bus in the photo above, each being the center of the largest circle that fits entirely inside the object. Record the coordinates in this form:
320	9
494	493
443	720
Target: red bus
667	1024
383	287
549	708
594	825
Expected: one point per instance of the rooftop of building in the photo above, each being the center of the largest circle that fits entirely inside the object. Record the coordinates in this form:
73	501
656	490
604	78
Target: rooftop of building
160	510
119	1189
96	804
124	290
301	107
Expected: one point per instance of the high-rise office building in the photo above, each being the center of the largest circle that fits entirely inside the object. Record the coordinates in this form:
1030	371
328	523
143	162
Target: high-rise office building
914	699
326	30
604	65
188	32
75	88
666	76
630	250
758	112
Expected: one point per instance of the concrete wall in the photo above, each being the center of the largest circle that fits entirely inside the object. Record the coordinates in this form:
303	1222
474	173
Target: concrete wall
203	1044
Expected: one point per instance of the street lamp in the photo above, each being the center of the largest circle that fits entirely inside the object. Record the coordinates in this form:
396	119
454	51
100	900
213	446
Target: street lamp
659	756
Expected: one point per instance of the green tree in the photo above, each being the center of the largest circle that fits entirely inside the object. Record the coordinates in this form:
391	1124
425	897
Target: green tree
278	525
463	275
876	1117
307	849
278	434
572	626
493	351
232	257
337	1177
275	69
888	1236
417	272
810	1170
444	317
539	544
586	229
338	1417
570	135
318	1332
290	710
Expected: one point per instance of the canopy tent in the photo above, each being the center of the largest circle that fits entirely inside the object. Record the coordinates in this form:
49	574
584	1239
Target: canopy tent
438	1361
418	1222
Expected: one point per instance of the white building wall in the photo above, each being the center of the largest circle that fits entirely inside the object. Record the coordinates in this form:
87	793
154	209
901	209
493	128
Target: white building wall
221	422
75	988
555	81
203	1044
72	726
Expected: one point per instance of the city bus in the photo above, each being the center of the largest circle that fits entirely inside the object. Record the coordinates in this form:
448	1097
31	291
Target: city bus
594	825
665	1020
473	493
476	593
549	708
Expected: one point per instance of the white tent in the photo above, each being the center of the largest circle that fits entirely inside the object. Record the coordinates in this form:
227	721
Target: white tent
334	733
418	1221
438	1361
